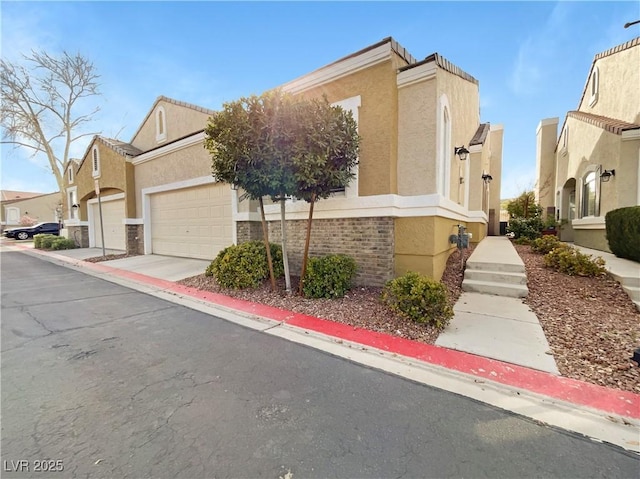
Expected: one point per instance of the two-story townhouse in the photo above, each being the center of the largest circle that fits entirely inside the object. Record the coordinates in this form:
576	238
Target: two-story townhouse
593	165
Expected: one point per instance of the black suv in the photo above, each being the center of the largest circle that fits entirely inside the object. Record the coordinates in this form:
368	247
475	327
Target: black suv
27	232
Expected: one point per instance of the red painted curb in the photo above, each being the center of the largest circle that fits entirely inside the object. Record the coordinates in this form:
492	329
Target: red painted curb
609	400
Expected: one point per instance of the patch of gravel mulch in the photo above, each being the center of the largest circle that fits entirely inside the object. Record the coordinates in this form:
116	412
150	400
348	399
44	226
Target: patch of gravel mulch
109	257
360	308
590	323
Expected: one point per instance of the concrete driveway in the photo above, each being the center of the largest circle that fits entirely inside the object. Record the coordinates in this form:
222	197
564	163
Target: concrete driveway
169	268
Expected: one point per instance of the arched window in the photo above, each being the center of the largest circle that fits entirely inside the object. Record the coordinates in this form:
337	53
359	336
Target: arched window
161	125
95	162
443	170
589	195
594	86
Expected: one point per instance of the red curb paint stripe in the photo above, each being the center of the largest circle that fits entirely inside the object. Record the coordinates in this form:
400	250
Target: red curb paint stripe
609	400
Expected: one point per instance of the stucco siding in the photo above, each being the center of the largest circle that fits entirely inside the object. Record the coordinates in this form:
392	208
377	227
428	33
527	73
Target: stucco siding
417	112
180	121
377	122
40	208
617	73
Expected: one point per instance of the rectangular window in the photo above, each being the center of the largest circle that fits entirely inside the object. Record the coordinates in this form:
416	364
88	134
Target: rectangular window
70	173
589	195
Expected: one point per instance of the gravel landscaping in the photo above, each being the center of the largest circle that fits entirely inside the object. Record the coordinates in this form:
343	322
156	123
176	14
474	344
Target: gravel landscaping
591	324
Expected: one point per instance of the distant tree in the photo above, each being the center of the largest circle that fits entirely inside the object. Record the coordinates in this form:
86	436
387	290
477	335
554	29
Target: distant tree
41	103
524	206
326	152
250	144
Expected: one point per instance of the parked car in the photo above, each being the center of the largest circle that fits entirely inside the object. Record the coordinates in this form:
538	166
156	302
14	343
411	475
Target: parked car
26	232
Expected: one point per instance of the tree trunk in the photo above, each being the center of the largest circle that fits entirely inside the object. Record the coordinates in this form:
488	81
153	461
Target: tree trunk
285	259
305	256
265	236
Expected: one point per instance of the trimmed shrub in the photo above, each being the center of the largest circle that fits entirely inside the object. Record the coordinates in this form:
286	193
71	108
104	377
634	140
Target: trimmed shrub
329	276
572	262
530	228
546	244
245	265
37	240
62	243
419	298
623	232
522	240
45	241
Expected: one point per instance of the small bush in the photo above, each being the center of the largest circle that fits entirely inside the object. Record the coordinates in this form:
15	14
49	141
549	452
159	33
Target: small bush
546	244
245	265
572	262
623	231
522	240
62	243
37	240
44	241
329	276
530	228
419	298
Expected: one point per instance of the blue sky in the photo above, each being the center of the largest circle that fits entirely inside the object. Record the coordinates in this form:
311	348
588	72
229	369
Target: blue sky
531	58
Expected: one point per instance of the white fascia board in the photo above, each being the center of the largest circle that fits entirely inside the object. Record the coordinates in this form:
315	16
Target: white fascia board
475	148
247	216
164	150
132	221
416	74
496	127
478	216
589	223
117	196
75	223
628	135
371	206
339	70
547	121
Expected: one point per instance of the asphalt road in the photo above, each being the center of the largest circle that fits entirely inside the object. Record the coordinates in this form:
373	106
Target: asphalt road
104	381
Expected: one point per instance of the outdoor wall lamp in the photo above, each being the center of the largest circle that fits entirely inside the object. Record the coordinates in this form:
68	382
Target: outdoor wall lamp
461	151
606	175
486	177
75	206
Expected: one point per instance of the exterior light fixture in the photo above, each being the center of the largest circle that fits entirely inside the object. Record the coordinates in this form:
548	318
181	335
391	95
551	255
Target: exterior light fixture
461	151
606	175
486	177
75	206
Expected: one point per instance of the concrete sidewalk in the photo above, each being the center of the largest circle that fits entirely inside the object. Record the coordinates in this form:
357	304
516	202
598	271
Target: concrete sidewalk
498	327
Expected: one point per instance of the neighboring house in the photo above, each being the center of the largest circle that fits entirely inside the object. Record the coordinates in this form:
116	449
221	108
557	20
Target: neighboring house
410	193
38	206
593	165
103	166
411	190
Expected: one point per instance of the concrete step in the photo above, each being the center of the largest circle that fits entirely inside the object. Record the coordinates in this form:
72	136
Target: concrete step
506	267
631	281
499	289
495	276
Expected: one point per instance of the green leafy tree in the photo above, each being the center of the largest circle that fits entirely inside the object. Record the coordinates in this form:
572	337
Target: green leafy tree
524	206
325	154
250	144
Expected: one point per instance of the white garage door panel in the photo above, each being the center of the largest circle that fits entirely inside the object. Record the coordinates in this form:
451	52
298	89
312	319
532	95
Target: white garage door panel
192	222
114	230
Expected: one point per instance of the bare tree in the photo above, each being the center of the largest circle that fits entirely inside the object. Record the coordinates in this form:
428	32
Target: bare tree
41	107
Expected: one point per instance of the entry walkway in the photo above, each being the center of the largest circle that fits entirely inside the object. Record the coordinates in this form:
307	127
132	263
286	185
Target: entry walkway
498	327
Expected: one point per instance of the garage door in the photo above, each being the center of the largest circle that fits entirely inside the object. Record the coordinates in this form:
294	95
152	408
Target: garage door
114	230
191	222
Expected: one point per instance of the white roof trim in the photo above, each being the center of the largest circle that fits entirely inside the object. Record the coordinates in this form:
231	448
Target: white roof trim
416	74
171	147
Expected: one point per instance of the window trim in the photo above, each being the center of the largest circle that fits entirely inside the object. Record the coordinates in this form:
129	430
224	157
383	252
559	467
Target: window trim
70	174
161	124
443	163
95	162
585	210
594	86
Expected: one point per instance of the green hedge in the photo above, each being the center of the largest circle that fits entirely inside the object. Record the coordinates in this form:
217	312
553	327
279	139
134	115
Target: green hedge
530	228
623	232
329	276
245	265
419	298
62	243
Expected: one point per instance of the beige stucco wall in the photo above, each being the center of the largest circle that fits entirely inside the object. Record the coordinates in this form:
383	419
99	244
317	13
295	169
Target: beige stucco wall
618	73
377	122
180	121
113	179
495	169
40	208
592	238
422	244
184	164
546	140
417	153
464	104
